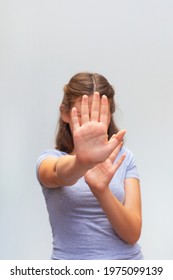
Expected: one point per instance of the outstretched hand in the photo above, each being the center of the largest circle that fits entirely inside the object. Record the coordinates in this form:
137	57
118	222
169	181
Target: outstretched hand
99	177
90	134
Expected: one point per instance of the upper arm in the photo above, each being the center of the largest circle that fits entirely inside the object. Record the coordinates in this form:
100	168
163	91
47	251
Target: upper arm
47	172
133	196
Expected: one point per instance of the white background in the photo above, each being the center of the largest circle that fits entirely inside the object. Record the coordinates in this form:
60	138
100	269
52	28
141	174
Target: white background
42	44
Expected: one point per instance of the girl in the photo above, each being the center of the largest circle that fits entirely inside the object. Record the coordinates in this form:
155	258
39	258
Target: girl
90	181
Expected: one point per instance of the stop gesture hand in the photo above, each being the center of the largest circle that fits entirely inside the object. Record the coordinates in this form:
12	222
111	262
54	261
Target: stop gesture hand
90	133
99	177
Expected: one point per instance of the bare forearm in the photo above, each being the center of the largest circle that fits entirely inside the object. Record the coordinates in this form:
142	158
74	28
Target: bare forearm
58	172
68	170
125	222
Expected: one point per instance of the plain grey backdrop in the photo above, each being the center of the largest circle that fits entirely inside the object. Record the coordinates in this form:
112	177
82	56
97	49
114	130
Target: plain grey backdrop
42	44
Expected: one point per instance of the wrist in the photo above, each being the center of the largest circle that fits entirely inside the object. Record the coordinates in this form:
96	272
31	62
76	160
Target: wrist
101	191
82	164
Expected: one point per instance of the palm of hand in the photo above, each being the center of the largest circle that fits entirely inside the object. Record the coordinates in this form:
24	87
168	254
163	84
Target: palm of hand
90	135
90	142
99	177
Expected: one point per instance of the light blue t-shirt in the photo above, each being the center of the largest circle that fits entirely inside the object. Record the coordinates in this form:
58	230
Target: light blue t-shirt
80	228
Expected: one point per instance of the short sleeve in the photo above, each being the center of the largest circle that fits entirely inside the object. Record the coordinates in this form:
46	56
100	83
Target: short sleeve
44	155
131	169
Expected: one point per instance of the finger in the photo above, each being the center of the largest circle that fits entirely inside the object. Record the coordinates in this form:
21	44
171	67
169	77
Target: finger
119	136
119	162
84	110
74	117
115	152
95	108
104	110
114	141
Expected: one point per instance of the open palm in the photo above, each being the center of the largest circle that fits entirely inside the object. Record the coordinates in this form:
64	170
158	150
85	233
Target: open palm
90	134
99	177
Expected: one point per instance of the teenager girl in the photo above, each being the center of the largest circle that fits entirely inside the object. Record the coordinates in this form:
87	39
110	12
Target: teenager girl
90	181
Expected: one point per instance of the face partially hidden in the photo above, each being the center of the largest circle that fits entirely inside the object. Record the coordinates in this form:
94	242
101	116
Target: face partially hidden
67	116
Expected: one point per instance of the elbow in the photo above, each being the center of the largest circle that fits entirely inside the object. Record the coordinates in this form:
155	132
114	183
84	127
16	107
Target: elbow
133	240
134	237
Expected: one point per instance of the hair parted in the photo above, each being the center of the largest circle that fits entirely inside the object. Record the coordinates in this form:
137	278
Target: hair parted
84	83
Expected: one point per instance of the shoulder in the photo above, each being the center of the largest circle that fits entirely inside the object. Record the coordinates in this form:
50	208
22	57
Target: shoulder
129	163
45	167
49	153
52	152
129	154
